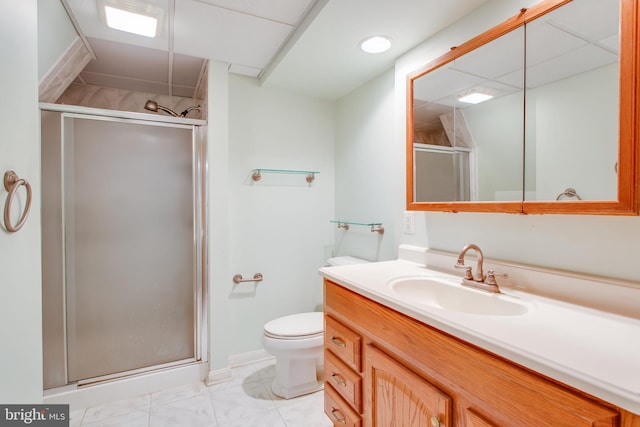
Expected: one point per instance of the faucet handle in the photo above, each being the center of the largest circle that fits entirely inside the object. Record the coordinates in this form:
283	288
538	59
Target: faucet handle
467	270
491	277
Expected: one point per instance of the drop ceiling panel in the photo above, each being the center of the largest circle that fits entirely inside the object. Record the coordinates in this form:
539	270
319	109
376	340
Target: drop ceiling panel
248	34
593	19
284	11
545	42
578	61
463	82
612	43
128	61
514	79
434	85
499	57
221	34
186	70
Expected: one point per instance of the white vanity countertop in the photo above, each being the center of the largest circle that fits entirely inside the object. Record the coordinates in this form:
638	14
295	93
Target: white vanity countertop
592	350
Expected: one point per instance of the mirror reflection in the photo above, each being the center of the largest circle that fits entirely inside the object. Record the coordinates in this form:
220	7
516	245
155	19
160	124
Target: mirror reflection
527	116
572	57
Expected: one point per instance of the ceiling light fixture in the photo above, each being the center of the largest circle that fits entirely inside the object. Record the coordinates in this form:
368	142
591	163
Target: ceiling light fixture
474	97
131	22
375	44
133	16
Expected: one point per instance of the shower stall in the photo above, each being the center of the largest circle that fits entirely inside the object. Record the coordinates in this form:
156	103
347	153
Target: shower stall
123	245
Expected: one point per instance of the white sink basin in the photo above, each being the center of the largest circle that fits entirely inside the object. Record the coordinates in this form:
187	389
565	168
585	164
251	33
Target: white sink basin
450	294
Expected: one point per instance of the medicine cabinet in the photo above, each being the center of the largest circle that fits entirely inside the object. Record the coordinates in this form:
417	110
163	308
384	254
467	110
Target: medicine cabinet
557	131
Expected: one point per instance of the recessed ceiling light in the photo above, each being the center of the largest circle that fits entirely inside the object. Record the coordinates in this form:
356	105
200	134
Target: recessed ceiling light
131	22
133	16
474	97
375	44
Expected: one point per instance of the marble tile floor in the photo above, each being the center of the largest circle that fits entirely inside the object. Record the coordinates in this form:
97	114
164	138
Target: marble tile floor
245	401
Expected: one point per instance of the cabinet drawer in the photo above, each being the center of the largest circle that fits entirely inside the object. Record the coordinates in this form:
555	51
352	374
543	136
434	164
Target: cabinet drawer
344	380
339	411
343	342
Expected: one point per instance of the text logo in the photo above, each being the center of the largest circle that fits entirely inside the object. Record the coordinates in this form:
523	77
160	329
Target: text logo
34	415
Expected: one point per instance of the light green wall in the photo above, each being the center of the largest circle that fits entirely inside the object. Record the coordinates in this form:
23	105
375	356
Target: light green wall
278	226
366	170
20	283
577	135
496	128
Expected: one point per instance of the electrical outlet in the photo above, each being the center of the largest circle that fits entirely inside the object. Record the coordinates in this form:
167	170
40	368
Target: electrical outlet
409	223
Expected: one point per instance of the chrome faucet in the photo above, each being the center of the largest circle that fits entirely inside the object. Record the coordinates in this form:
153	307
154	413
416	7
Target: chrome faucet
479	281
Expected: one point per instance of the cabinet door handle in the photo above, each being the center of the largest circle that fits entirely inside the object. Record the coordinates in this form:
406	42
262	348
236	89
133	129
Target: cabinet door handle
435	422
337	378
338	416
337	341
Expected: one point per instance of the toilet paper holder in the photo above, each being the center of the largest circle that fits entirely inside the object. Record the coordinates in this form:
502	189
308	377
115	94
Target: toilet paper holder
256	278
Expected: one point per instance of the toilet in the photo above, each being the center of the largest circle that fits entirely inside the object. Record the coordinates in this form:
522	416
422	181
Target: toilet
297	342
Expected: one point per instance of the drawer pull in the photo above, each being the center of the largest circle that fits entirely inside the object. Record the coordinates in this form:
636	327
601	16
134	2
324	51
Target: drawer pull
337	378
337	341
339	417
435	422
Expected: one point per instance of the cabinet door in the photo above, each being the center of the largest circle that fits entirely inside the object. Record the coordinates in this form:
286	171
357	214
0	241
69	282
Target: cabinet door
396	396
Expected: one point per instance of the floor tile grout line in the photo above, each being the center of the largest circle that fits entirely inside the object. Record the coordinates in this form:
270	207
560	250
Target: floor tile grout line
213	407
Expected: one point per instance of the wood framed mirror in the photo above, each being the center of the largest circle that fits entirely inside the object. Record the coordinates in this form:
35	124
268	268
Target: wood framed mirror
558	132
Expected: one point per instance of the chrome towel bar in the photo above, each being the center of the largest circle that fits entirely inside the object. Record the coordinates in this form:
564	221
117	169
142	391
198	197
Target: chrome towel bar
256	278
11	184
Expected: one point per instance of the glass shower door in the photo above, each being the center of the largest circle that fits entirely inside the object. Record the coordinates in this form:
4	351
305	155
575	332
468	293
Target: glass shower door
130	215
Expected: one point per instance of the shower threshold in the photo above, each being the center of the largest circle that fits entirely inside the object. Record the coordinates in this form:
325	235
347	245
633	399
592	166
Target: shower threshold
134	372
128	386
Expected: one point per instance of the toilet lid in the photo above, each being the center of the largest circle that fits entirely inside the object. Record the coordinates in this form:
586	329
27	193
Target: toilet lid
296	325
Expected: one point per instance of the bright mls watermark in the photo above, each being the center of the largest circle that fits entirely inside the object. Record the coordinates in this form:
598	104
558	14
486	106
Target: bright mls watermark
34	415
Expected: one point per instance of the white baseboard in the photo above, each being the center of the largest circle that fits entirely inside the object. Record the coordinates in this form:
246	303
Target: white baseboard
218	376
249	357
222	375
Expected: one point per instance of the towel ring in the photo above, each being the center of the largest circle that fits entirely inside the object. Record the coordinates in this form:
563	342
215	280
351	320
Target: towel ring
11	184
569	192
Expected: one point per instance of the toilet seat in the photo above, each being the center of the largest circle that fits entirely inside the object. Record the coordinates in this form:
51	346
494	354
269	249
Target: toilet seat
296	326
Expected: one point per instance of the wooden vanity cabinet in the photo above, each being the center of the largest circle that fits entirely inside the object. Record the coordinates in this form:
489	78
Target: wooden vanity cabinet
414	375
342	373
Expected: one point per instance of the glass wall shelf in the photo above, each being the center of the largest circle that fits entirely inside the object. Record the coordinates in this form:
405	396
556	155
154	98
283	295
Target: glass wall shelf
256	174
375	226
